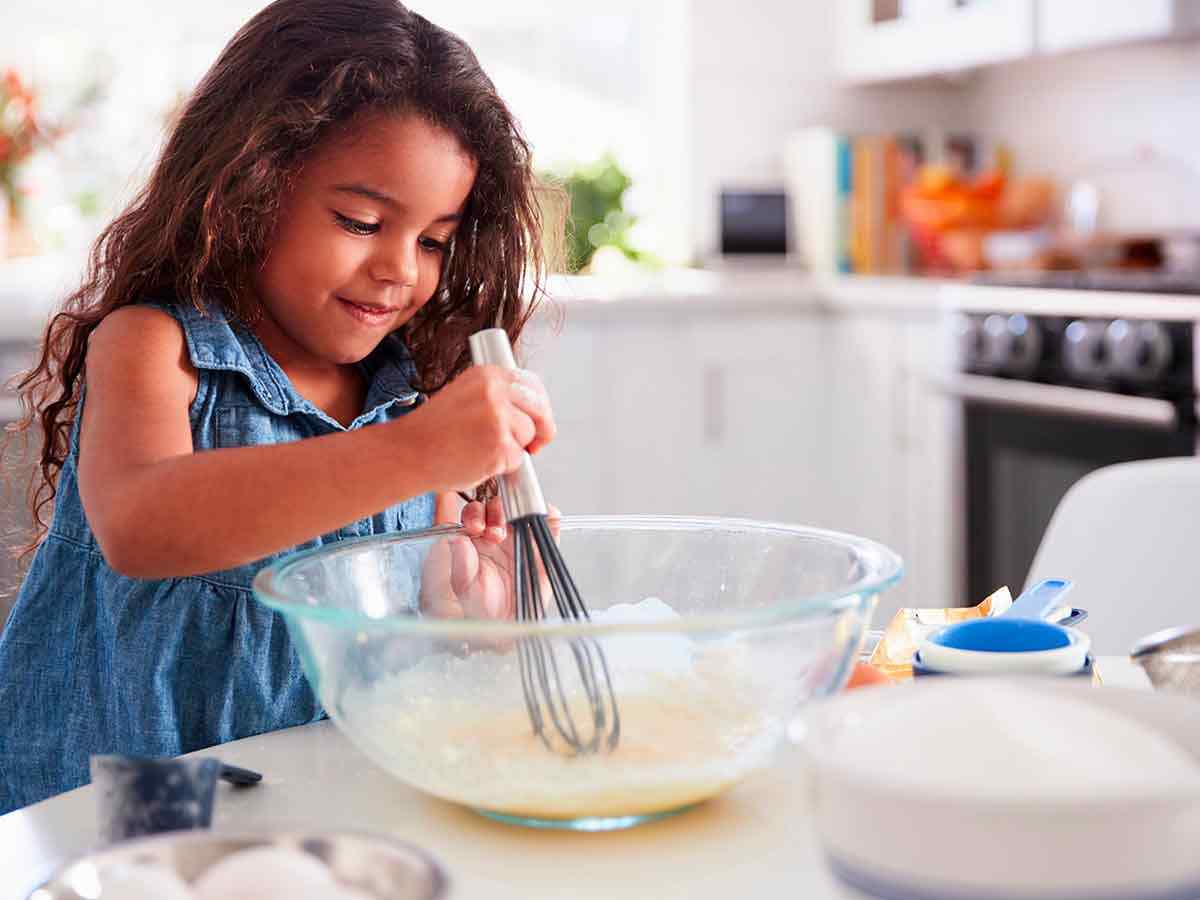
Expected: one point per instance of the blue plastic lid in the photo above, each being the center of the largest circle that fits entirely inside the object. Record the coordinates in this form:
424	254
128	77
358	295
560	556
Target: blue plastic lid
1003	635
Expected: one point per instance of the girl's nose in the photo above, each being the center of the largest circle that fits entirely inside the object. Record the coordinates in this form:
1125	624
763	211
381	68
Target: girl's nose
396	265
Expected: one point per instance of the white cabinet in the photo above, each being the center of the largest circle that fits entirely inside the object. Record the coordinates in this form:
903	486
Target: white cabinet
806	416
875	45
762	447
720	414
894	466
1076	24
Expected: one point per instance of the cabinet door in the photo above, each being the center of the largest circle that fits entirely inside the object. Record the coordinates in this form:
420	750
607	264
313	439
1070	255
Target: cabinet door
761	443
863	432
962	35
893	462
575	470
1076	24
646	425
930	518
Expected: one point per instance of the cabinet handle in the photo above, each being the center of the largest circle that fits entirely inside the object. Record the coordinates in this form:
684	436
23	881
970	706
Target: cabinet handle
714	404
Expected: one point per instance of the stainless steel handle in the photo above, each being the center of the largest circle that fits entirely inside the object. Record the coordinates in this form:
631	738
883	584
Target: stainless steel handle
1068	401
520	492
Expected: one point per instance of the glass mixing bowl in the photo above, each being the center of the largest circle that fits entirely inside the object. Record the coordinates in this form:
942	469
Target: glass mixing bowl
714	632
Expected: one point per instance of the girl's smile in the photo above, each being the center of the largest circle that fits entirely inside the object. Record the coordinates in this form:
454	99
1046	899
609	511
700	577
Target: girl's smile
374	315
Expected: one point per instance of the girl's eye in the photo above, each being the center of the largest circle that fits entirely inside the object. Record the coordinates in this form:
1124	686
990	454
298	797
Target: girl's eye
432	245
354	226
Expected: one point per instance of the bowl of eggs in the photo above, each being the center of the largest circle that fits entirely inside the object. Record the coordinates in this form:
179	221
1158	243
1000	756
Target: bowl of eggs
704	639
207	865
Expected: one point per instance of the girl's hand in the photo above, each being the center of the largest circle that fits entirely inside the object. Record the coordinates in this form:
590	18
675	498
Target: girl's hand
471	575
478	426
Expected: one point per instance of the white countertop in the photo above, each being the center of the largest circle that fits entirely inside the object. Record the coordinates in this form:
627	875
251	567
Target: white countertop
31	288
757	840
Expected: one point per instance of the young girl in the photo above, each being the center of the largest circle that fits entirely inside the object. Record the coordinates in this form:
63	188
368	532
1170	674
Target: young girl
269	351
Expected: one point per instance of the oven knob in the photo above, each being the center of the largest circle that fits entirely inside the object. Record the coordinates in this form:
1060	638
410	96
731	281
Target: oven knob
1084	353
1138	351
969	339
993	344
1025	348
1010	344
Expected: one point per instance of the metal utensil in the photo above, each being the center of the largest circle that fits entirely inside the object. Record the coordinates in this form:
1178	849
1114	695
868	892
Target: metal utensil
1171	659
552	697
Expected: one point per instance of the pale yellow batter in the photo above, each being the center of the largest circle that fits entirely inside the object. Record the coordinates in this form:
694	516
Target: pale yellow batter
458	729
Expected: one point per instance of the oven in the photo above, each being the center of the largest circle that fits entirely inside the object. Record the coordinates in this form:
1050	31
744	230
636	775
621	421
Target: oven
1046	399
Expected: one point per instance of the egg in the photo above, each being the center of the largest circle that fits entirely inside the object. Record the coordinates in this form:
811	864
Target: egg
142	882
267	873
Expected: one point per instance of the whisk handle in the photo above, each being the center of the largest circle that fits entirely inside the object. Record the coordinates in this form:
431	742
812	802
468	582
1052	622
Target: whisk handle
520	492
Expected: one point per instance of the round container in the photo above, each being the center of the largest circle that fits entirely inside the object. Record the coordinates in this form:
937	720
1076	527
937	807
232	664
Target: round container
715	632
1003	646
377	867
889	839
920	670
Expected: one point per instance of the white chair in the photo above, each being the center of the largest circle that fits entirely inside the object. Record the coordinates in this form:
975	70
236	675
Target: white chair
1128	536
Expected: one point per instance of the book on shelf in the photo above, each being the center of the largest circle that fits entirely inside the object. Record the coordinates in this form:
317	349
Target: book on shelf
845	192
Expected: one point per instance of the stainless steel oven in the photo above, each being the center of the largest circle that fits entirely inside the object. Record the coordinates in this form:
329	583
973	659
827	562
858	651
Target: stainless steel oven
1047	399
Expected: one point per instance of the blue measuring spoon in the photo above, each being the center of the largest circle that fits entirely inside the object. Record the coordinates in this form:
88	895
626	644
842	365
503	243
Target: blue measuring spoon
1018	640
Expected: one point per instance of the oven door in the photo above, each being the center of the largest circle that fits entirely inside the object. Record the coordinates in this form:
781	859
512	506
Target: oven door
1026	444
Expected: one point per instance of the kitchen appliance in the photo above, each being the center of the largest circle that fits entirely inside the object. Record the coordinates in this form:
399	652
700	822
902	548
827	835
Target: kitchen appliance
1048	397
754	224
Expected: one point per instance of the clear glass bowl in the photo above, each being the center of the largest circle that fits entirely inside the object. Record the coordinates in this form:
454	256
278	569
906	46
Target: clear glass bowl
714	631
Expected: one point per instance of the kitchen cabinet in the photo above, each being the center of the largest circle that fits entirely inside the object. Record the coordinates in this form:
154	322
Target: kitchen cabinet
1076	24
762	447
674	413
878	42
894	468
828	418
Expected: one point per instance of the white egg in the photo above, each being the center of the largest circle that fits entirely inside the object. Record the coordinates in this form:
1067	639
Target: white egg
142	882
267	873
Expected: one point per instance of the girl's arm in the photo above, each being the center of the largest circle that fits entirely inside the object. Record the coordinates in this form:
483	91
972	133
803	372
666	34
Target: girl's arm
160	510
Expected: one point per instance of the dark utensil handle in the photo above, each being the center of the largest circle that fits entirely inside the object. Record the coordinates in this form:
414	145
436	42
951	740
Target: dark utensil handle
238	776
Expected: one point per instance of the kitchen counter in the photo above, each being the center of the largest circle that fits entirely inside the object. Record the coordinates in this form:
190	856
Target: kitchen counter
31	288
757	840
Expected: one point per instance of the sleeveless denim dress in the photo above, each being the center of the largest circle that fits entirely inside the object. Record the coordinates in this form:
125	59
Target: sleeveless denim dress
94	662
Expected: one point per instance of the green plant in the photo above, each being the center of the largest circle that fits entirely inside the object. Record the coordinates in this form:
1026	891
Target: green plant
597	215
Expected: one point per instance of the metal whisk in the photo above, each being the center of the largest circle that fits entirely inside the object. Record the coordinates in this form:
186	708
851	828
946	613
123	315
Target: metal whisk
560	702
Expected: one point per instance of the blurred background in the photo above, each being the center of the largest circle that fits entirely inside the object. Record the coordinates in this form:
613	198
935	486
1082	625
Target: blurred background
769	200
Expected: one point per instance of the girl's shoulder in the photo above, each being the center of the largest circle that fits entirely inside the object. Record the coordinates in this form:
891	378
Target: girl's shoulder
139	328
140	341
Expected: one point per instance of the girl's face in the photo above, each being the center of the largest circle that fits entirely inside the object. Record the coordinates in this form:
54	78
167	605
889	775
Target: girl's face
361	238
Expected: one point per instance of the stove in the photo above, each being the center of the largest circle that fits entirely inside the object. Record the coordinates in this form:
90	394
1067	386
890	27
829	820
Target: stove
1058	390
1132	281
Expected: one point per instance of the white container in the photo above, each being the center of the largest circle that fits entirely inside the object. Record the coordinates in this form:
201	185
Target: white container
886	838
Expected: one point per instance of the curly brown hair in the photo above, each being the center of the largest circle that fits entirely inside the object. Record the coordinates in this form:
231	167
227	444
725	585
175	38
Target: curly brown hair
201	224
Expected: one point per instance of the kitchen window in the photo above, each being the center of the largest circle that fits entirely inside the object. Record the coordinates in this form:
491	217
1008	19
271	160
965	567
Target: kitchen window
583	80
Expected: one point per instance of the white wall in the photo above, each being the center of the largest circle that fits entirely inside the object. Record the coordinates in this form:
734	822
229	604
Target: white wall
1087	113
761	68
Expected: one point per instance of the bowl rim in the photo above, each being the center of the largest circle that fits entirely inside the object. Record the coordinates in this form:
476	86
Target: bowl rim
888	570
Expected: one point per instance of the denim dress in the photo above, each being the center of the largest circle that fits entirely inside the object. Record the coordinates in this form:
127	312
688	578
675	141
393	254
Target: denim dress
92	661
